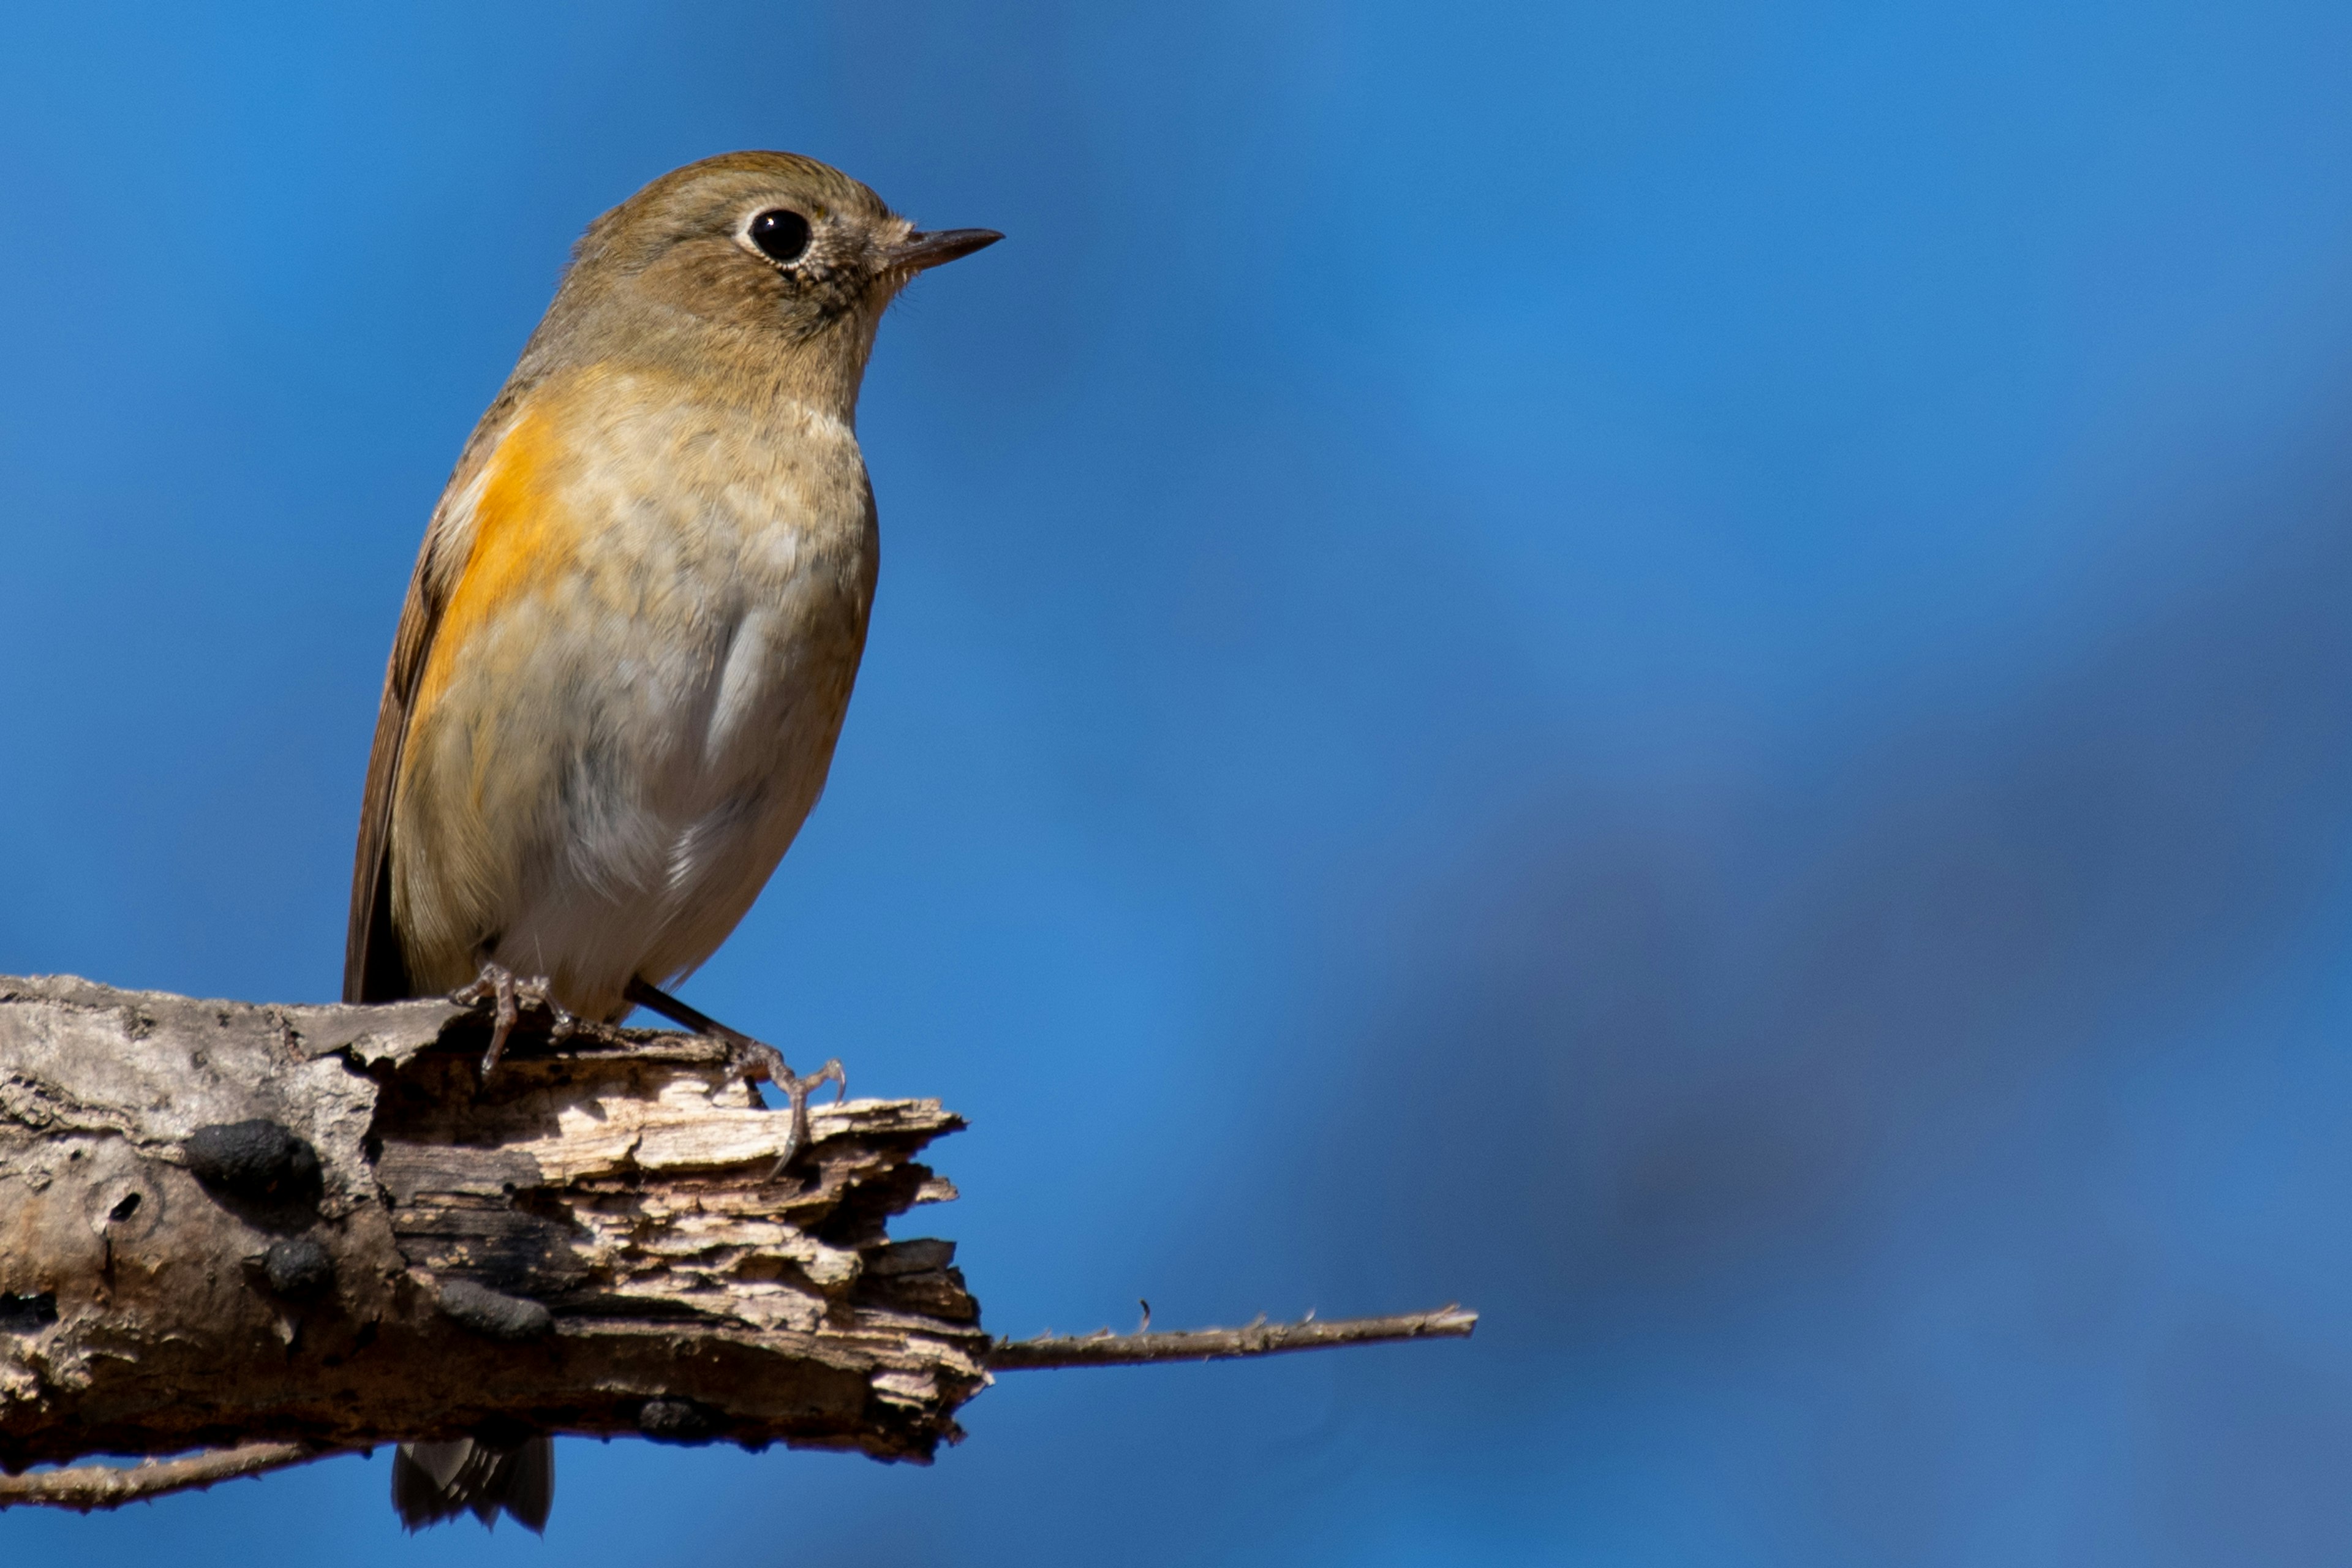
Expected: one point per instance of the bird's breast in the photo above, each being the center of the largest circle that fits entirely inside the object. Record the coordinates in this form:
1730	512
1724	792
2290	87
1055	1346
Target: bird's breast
728	558
642	673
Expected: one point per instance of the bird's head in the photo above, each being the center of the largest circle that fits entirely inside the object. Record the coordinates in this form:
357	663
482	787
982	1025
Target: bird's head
769	263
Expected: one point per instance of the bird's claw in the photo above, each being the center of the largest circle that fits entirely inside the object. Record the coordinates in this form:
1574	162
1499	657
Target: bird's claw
757	1059
498	984
750	1061
797	1090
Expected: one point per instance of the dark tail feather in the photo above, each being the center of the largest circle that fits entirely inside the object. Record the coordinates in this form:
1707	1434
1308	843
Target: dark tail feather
434	1482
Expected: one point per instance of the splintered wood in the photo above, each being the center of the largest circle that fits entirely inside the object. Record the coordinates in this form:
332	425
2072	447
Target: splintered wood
588	1243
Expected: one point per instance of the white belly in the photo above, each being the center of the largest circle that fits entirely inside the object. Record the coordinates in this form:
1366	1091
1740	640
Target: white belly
698	759
650	733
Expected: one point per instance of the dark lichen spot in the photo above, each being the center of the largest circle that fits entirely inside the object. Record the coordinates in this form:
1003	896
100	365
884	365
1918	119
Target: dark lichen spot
298	1267
27	1313
256	1159
674	1421
489	1313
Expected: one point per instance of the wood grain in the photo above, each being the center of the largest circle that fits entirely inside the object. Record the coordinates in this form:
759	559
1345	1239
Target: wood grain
617	1180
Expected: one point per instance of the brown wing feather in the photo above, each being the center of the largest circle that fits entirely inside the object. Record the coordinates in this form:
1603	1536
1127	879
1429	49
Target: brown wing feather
374	968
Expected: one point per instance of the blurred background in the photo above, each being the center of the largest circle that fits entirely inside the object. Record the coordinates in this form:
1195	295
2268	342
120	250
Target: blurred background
1680	670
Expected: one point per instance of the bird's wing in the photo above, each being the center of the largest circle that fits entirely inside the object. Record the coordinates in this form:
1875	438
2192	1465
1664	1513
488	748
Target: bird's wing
374	968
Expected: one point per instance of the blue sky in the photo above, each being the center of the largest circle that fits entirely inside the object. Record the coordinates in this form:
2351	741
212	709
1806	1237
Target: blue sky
1679	670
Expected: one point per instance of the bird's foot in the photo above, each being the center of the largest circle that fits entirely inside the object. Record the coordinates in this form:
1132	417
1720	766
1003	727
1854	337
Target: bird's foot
508	991
754	1059
751	1060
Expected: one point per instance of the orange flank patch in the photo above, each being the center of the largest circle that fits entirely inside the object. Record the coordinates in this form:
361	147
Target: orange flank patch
521	541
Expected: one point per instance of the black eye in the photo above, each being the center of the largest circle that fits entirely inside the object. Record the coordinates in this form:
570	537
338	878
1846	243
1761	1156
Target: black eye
781	234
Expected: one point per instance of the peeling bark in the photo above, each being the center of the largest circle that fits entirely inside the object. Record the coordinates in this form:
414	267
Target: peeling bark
586	1244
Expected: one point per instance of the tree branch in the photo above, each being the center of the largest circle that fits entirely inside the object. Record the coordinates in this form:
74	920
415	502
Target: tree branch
225	1224
285	1232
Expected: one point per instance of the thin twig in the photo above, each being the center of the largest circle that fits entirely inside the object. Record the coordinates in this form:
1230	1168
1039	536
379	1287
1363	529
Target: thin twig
88	1487
1103	1348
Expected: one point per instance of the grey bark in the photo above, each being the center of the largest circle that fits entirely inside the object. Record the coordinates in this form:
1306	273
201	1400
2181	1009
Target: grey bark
586	1244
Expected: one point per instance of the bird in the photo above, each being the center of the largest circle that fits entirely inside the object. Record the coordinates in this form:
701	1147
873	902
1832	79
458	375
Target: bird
629	641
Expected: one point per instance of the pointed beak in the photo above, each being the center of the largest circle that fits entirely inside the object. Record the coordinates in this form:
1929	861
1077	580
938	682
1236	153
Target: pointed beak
920	251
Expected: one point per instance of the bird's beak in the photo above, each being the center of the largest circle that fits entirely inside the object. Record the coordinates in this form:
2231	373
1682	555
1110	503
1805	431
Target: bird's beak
919	250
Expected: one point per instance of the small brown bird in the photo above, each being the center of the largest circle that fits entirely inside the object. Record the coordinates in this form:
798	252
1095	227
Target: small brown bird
629	642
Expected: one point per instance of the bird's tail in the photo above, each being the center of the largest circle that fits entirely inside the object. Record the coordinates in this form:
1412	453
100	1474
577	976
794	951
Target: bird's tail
432	1482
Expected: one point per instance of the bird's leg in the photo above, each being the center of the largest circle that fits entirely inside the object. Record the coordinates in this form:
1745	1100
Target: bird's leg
499	983
753	1060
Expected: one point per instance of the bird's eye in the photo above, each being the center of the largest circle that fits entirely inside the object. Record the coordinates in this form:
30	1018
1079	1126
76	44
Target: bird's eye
781	234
